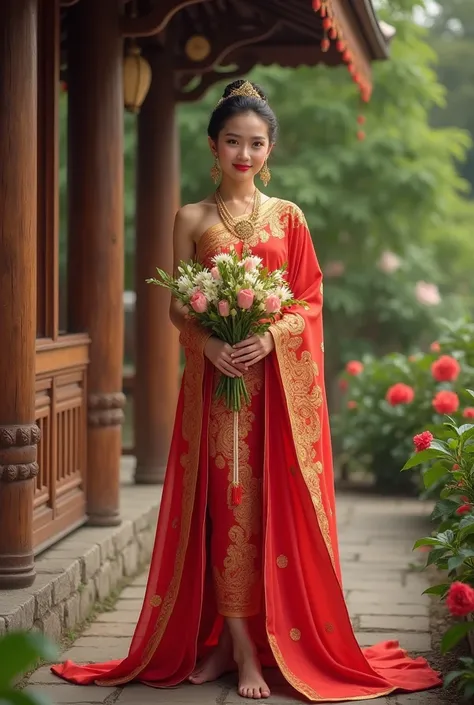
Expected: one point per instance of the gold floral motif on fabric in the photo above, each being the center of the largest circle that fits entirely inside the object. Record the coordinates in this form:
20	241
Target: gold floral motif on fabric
156	601
282	562
304	398
191	432
234	584
273	222
295	634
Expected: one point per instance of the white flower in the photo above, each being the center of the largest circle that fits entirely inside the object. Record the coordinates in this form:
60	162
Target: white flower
185	285
389	262
224	257
283	293
427	294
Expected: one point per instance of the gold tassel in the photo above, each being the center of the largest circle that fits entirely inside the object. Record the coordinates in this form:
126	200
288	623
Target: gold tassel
236	486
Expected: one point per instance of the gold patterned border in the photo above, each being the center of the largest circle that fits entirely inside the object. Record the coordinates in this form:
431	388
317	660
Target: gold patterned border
303	399
191	431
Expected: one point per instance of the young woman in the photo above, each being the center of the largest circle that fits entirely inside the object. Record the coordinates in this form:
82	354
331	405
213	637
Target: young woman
238	587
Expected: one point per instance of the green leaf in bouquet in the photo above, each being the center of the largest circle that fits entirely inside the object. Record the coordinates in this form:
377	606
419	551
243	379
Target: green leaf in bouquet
440	589
422	457
433	474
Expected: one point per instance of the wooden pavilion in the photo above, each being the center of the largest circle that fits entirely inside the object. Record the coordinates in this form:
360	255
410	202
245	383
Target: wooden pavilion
61	400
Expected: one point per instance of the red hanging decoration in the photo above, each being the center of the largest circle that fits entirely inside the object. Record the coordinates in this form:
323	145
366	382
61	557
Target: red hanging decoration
361	119
327	23
325	45
333	33
317	4
347	56
340	45
361	135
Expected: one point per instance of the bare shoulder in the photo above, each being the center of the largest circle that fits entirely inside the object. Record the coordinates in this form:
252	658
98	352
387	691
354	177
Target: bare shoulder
190	218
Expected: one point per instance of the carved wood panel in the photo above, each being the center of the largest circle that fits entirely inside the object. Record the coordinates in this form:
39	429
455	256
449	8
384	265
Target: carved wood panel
61	414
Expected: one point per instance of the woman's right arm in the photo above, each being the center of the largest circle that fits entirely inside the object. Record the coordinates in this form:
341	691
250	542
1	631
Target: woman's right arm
184	249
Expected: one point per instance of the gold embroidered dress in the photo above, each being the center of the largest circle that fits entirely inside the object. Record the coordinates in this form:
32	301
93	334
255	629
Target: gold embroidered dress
274	558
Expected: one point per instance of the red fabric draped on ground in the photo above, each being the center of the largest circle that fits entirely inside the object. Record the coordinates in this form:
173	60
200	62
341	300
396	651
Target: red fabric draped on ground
304	627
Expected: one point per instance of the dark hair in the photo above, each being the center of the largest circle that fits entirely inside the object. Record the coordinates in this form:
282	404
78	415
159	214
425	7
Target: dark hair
228	107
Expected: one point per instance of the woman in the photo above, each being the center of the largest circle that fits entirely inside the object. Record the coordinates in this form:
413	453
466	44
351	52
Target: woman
257	583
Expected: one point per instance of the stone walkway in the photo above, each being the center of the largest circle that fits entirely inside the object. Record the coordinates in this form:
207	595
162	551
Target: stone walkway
383	594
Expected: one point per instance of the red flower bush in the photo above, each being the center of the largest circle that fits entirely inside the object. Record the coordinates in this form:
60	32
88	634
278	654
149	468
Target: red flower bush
343	385
435	346
422	441
460	599
400	394
446	369
468	412
446	402
352	404
354	367
463	509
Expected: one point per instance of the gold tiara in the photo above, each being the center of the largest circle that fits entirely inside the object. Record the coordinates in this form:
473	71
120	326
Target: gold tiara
246	89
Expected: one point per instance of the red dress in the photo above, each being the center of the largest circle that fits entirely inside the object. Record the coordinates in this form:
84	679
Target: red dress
274	559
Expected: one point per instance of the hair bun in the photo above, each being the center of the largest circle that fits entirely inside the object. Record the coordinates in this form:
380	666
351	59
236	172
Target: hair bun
231	87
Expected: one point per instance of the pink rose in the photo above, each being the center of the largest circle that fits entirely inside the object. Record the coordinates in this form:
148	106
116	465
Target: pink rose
272	304
215	273
251	263
198	302
245	298
223	308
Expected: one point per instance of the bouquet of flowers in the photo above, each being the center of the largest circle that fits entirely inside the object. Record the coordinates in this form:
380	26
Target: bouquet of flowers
236	298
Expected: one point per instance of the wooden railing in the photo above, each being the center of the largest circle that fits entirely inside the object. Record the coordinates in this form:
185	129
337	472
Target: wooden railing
61	414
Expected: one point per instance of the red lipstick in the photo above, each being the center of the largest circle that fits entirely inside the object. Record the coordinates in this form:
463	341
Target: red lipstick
241	167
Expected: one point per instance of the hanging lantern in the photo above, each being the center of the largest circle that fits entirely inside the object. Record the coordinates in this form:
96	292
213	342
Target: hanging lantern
136	79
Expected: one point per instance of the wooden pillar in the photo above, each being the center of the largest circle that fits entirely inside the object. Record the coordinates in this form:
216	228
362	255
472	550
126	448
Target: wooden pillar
96	237
18	431
157	345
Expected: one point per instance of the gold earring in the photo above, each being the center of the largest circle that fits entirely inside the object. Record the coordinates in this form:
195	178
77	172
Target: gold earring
265	174
216	170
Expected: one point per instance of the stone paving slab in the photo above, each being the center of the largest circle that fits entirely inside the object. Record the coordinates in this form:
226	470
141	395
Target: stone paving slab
383	595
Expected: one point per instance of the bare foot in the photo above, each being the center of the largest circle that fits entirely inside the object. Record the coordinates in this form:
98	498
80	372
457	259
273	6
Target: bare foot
217	663
251	682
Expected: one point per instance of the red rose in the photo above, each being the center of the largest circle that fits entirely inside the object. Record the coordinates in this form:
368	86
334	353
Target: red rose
446	402
463	509
435	347
446	369
468	412
460	599
354	367
400	394
343	385
352	404
455	467
422	441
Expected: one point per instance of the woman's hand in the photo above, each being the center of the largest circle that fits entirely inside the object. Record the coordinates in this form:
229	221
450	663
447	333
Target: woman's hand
252	350
219	353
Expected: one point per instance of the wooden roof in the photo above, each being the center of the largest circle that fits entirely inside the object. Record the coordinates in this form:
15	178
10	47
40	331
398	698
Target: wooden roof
207	34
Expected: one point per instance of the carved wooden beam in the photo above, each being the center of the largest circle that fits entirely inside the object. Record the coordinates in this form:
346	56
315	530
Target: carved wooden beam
208	80
202	54
156	20
68	3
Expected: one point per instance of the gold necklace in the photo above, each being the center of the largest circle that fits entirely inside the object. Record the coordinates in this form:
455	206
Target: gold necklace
244	229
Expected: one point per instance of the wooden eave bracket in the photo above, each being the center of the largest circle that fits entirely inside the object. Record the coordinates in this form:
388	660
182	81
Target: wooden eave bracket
156	20
209	78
